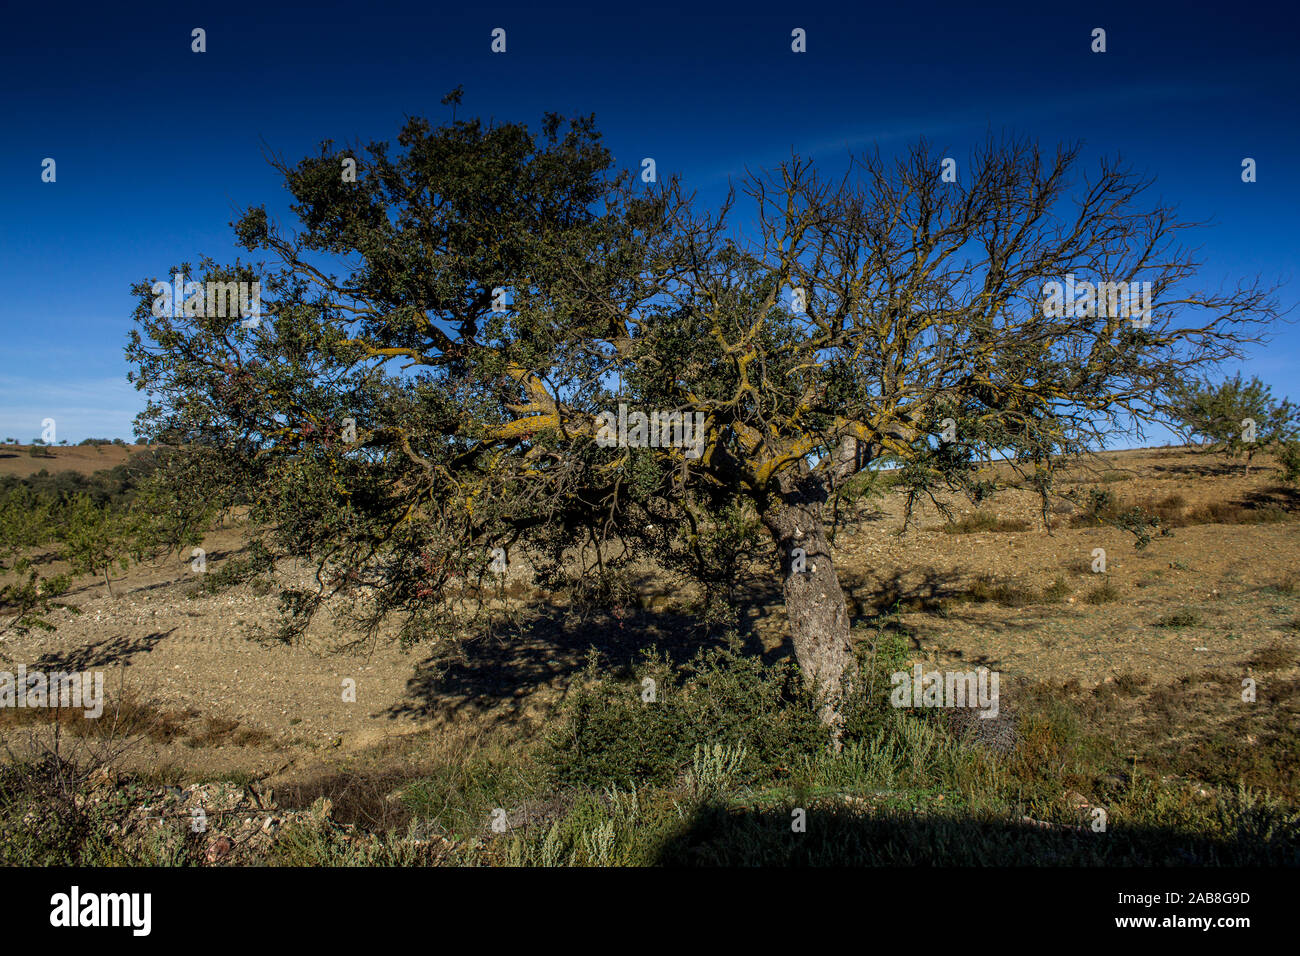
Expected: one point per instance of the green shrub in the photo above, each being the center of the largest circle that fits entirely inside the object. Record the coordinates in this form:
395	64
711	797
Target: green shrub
28	594
1288	454
50	818
611	736
882	650
256	561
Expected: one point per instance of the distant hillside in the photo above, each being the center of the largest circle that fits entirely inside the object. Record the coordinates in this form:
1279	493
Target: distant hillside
17	460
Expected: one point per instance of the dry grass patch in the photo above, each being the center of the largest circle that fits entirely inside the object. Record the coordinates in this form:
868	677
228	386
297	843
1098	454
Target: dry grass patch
1103	593
219	731
982	521
1269	506
988	590
1277	656
122	718
985	590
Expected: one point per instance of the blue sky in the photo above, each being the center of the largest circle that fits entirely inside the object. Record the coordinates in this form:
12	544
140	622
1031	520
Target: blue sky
156	146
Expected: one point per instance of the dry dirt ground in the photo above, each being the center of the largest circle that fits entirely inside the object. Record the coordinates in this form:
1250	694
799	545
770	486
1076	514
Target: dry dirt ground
214	697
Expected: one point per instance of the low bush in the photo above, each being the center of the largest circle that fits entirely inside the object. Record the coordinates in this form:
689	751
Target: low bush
646	728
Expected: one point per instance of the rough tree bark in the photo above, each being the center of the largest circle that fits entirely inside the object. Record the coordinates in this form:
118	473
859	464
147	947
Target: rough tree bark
814	601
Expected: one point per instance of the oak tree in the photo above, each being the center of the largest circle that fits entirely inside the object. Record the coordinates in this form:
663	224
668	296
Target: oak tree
445	330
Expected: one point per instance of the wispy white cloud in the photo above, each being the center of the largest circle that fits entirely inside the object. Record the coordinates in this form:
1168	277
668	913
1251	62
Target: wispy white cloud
971	117
90	408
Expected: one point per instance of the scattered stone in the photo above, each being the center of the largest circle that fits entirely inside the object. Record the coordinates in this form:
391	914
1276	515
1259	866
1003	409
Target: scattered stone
999	734
1077	801
219	848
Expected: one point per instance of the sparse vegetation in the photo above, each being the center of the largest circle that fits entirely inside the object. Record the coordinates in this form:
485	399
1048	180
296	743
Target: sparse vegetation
1000	592
1103	593
94	524
1179	619
1057	591
1275	656
981	521
727	747
556	802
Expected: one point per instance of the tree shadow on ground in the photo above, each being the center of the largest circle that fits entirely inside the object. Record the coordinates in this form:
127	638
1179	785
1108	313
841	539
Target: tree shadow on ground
929	590
1203	468
869	598
102	653
850	522
718	835
504	670
1274	496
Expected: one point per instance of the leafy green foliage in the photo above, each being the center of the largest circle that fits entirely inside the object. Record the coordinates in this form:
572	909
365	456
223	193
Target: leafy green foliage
27	592
882	650
95	539
1288	454
1216	415
140	509
612	737
718	545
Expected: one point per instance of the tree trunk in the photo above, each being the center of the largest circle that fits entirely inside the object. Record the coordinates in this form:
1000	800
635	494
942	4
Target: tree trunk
814	600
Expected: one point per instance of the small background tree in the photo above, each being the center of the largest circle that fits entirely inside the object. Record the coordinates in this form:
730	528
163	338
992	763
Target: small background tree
1216	416
27	596
96	538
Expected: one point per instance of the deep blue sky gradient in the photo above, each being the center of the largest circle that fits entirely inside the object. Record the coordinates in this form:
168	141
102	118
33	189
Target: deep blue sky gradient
157	146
